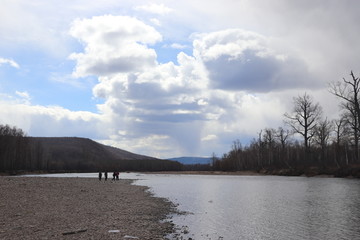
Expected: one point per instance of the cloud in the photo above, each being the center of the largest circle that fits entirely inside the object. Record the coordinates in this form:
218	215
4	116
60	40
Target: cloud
159	145
147	99
229	84
160	9
323	35
10	62
22	24
25	96
113	44
155	21
67	79
49	121
42	25
190	102
209	137
178	46
243	60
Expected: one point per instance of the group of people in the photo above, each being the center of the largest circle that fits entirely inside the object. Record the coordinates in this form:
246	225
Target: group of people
115	176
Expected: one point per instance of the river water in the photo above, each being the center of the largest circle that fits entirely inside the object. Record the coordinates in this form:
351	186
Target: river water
259	207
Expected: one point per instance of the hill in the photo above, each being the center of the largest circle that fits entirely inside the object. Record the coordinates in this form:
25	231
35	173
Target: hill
192	160
72	147
77	154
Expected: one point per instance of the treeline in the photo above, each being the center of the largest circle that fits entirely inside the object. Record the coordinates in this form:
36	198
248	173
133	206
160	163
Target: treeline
308	142
12	148
19	153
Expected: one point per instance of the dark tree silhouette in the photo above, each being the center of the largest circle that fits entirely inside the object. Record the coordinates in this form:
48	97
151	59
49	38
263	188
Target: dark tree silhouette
304	118
322	136
349	92
13	146
325	146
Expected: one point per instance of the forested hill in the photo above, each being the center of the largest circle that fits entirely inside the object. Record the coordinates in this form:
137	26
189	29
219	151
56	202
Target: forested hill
73	154
71	146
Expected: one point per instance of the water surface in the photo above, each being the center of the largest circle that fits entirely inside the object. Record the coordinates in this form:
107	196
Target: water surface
262	207
258	207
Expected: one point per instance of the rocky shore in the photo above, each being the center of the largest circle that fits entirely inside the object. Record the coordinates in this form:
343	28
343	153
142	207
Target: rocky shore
80	208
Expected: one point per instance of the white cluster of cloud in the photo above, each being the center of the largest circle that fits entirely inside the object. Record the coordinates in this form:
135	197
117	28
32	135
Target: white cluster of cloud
242	60
9	61
233	83
50	120
160	9
187	102
113	44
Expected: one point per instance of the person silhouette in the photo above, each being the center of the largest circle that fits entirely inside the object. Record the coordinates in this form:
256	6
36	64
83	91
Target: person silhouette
100	176
106	176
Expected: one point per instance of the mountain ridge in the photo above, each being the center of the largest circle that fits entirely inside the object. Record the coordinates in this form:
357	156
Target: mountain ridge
191	160
72	142
79	154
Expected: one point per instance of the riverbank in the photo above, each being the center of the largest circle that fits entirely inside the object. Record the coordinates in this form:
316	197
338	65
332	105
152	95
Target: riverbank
80	208
349	172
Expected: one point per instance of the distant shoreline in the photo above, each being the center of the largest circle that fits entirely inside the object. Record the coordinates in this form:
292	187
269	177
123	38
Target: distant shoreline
353	172
238	173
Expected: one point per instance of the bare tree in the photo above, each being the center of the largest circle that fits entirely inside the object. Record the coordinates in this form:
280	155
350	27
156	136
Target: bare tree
260	149
269	137
352	123
282	136
304	118
270	144
322	136
12	147
214	159
341	129
349	92
323	131
236	150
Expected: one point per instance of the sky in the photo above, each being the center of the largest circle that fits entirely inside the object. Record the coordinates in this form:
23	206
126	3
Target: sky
170	78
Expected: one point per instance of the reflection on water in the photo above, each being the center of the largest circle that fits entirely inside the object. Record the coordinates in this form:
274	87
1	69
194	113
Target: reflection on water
262	207
259	207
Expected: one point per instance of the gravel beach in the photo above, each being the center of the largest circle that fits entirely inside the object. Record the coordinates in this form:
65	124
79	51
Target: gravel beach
80	208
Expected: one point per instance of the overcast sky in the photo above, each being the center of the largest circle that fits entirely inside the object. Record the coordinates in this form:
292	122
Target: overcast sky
170	78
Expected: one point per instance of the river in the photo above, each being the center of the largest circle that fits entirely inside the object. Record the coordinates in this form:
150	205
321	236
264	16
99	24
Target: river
259	207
